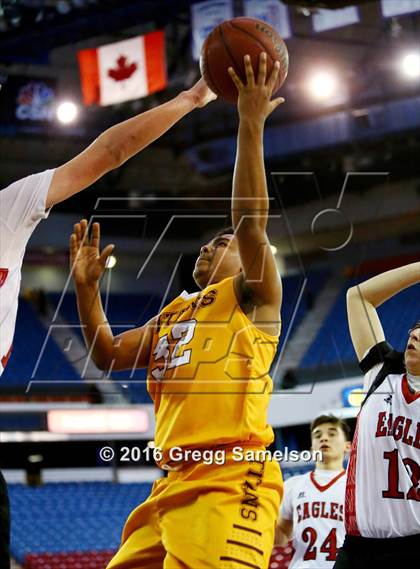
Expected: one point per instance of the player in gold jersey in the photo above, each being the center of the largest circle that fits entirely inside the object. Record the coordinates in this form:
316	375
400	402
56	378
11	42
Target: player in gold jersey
208	355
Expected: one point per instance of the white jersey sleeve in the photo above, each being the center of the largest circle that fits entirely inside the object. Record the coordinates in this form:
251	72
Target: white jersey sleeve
22	206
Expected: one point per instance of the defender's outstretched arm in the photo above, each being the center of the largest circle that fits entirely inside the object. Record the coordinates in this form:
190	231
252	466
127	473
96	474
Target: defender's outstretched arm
122	141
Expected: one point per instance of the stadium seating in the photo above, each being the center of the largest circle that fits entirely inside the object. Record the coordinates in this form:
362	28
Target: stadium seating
71	560
281	557
78	525
298	301
70	517
26	349
123	312
126	310
333	343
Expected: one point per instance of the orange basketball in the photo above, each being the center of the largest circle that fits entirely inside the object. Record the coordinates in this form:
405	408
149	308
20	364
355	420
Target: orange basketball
226	46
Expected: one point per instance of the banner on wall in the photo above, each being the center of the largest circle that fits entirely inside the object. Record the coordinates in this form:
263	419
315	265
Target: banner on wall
398	7
273	12
204	17
324	20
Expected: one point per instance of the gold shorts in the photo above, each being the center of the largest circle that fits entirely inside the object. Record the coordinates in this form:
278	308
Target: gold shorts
205	516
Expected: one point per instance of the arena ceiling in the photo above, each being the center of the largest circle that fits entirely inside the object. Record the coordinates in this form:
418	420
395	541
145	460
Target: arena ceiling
37	38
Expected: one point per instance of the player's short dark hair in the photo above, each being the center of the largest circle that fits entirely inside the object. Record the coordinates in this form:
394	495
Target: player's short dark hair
416	325
226	231
322	419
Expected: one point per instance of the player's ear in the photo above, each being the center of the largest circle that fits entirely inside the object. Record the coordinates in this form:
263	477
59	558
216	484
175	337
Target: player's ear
347	448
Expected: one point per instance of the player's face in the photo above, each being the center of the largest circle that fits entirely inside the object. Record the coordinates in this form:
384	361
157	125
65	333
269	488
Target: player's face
331	441
412	352
218	260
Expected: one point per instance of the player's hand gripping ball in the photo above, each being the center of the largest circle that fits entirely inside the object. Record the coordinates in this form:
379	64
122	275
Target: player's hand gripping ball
226	47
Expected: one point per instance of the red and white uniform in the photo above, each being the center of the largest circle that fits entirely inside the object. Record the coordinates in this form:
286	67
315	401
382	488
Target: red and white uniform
315	503
383	494
22	206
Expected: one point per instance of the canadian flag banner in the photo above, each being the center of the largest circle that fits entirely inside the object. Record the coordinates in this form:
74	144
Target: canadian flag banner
124	70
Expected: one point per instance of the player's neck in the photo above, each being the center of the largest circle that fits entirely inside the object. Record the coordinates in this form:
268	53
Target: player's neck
335	465
413	381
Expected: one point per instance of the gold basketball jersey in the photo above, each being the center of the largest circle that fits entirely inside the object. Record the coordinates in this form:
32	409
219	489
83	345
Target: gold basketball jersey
208	373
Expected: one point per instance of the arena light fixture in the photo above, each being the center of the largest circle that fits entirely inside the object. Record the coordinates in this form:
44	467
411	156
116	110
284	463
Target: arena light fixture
323	85
273	249
410	64
111	262
35	458
66	112
353	396
63	7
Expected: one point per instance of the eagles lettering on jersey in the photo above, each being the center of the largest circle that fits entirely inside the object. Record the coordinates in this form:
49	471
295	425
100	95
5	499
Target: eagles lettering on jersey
208	372
320	509
400	429
315	503
382	494
3	276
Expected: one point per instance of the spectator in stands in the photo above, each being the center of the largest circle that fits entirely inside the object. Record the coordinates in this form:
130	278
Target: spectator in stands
25	202
313	508
208	356
382	492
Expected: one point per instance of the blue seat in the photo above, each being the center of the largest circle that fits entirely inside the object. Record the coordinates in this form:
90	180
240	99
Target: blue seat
333	345
71	517
297	298
124	311
28	343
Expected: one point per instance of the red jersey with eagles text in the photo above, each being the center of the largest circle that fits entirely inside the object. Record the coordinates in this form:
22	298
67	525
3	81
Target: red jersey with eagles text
383	494
315	503
22	206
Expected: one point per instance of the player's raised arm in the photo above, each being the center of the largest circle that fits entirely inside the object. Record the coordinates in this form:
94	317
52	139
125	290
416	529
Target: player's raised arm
87	264
250	202
363	300
122	141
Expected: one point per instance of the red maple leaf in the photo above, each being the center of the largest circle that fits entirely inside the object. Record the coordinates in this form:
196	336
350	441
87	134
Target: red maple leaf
123	70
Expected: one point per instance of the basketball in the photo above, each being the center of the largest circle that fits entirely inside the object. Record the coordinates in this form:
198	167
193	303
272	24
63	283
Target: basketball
226	46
